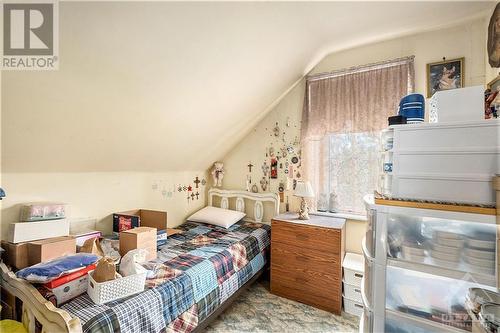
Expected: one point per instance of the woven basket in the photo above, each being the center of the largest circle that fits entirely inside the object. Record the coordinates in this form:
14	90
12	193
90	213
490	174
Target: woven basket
108	291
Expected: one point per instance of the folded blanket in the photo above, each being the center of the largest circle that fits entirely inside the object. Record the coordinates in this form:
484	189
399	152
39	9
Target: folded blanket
48	271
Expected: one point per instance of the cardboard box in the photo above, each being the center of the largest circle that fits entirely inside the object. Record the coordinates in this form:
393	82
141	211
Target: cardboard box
30	231
139	218
71	289
47	249
139	238
16	255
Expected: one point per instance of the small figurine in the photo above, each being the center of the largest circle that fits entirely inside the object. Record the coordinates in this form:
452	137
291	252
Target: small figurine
218	173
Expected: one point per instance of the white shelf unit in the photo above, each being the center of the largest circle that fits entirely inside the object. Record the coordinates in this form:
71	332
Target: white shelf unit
421	295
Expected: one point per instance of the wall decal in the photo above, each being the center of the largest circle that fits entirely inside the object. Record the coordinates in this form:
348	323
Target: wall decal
197	195
295	160
196	182
255	188
192	196
179	188
203	182
274	168
248	182
264	183
276	130
190	188
250	165
265	169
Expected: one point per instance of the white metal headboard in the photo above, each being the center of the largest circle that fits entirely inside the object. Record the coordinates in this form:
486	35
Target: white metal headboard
258	198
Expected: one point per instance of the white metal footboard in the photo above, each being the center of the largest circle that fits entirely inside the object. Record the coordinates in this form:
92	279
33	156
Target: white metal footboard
52	319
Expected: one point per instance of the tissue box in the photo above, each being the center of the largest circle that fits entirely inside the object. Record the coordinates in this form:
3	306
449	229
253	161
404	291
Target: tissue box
39	211
139	238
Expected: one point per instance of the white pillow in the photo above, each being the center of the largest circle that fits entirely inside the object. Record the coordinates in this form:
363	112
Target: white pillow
217	216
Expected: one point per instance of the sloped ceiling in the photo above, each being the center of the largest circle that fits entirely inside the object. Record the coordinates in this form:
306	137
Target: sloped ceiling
173	86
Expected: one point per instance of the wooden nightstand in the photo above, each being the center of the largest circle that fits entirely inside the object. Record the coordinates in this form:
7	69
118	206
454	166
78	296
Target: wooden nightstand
306	260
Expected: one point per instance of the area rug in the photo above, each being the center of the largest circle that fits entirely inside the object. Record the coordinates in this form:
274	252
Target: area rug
257	310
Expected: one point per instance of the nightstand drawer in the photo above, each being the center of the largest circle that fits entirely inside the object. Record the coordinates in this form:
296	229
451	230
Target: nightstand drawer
310	283
310	237
293	257
327	304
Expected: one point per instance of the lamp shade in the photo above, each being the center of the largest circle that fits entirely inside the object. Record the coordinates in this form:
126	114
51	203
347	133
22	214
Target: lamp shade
304	189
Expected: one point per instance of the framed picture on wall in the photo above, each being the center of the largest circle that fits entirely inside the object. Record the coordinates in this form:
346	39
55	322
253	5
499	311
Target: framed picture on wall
445	75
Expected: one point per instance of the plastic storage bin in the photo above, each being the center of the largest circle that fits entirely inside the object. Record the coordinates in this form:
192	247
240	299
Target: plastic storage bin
353	307
353	269
108	291
353	293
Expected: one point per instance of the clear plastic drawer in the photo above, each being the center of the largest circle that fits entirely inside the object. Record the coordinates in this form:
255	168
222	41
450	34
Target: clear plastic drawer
437	299
457	245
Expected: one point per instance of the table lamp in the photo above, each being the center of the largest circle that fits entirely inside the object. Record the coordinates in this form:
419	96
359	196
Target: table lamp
304	190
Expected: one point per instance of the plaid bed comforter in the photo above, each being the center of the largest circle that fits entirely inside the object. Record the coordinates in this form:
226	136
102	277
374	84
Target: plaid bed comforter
194	273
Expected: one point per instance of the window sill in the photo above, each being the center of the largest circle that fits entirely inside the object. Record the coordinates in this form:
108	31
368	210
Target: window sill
346	216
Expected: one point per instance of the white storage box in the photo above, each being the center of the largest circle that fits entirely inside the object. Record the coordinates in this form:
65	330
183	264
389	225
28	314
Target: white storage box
464	104
108	291
353	307
449	162
30	231
353	293
353	269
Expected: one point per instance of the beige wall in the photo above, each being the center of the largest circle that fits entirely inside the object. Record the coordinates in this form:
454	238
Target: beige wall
465	40
98	195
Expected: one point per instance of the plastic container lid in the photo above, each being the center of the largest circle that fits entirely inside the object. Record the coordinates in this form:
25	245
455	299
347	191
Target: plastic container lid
354	262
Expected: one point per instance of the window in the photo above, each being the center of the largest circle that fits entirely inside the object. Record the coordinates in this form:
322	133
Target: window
343	115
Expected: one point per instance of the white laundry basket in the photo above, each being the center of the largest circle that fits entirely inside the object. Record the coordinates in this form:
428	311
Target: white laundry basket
108	291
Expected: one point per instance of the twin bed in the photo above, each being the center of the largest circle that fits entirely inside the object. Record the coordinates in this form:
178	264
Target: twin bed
196	276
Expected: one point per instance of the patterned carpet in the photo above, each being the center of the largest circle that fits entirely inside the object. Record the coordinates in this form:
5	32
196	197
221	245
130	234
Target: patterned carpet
257	310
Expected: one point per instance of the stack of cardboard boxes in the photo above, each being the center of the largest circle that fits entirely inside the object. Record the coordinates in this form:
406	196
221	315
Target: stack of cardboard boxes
141	229
44	234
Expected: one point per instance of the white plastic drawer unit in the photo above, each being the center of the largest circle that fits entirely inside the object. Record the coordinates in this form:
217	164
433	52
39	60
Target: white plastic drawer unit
353	293
353	267
353	307
427	296
453	244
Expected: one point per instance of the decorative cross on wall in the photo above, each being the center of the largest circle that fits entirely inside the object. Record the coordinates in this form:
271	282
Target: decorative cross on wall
250	165
196	182
265	168
192	196
197	195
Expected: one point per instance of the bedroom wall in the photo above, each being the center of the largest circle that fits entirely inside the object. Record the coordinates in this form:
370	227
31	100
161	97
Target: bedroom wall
99	194
464	40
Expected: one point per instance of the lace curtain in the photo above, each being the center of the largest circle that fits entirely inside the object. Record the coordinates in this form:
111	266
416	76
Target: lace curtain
343	115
